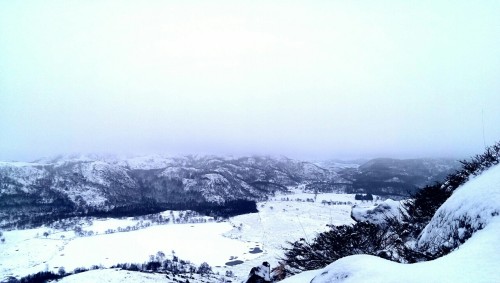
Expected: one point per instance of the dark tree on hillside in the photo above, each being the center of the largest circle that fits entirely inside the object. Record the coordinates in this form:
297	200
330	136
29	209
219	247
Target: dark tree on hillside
363	197
473	167
204	268
425	203
43	276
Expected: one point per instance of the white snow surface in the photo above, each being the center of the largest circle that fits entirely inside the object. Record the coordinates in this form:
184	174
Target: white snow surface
121	276
25	253
475	203
477	260
114	276
280	221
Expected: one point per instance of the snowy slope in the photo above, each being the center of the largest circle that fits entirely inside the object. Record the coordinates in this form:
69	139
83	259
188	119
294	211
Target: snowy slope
476	260
456	219
19	174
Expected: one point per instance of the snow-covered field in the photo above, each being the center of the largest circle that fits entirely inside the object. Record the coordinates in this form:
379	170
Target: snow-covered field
23	253
250	238
121	276
280	221
113	276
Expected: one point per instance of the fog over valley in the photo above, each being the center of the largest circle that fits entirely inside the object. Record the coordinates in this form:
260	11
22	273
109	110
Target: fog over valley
315	80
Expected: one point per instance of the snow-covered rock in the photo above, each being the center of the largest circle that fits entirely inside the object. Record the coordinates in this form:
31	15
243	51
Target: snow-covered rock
376	214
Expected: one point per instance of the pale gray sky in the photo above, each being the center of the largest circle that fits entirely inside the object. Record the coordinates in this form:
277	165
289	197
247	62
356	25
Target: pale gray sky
306	79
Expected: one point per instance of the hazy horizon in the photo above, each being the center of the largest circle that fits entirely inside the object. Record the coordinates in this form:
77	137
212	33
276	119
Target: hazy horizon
122	156
312	80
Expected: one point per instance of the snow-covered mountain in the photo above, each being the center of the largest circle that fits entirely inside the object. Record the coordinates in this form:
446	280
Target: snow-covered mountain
64	184
97	183
468	223
397	177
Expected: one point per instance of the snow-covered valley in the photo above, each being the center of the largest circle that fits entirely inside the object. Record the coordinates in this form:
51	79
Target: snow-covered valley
235	245
216	249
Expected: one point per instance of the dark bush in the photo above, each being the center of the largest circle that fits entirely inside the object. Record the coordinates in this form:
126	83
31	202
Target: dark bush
338	242
204	268
363	197
40	277
473	167
152	266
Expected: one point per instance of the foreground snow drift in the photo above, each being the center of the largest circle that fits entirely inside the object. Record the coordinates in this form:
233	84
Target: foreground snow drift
477	260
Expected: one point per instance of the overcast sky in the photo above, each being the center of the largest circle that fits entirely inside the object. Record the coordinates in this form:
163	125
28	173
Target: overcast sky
305	79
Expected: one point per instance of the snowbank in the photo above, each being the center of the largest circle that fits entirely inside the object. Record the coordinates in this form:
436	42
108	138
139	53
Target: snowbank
476	261
471	207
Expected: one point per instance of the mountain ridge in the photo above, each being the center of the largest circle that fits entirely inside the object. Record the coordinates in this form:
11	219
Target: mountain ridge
102	183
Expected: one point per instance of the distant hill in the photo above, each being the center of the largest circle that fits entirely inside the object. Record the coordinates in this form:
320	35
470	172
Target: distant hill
398	177
90	184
